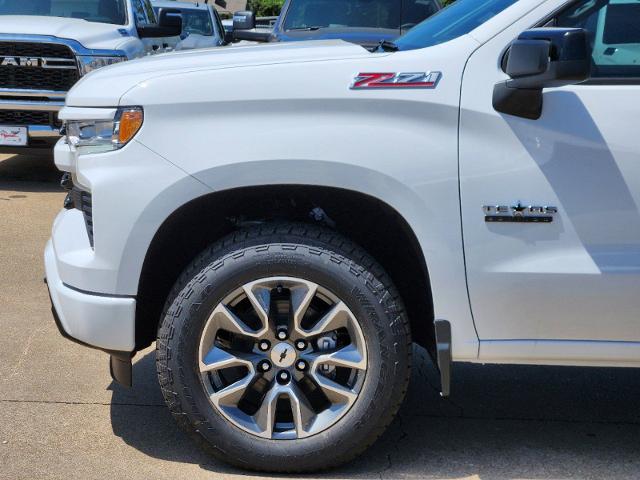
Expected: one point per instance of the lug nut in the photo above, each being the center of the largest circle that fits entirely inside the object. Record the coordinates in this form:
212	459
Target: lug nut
301	365
282	334
301	345
283	377
264	345
264	365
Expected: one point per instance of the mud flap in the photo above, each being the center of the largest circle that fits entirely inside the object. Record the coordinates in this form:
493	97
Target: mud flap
443	355
121	369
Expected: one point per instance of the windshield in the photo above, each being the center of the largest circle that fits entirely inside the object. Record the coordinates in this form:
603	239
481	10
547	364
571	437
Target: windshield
457	19
385	14
103	11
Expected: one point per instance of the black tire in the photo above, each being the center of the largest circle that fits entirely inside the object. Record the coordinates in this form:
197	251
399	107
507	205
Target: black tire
318	255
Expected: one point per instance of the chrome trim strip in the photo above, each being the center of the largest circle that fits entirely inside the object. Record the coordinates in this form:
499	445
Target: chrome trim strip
75	46
59	63
31	105
18	92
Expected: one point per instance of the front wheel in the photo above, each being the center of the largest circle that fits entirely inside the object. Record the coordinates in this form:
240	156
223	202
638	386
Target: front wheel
285	348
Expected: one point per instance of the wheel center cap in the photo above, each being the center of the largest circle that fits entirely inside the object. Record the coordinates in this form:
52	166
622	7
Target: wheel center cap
283	355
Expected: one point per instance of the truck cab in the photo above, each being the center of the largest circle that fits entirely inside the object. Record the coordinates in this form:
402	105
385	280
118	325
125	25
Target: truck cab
46	46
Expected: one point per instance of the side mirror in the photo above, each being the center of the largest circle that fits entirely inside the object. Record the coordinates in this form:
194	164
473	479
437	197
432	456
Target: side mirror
541	58
244	28
245	20
169	25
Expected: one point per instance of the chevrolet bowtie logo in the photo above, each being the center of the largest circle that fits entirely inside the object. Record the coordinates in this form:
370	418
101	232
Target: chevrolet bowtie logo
283	355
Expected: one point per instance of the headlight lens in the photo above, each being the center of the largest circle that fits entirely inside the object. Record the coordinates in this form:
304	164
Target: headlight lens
87	63
97	136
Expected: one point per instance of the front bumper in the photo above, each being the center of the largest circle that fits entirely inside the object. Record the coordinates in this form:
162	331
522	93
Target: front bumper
100	321
18	111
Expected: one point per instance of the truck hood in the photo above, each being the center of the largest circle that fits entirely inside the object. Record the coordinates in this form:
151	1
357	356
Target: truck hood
106	86
91	35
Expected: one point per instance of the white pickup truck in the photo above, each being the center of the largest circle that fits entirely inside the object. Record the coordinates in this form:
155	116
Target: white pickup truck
473	187
46	46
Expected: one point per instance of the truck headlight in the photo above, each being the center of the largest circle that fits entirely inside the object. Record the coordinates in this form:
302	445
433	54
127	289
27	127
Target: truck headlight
97	136
87	63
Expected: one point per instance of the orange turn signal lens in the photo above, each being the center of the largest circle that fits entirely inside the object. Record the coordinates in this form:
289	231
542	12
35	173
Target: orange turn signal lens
130	123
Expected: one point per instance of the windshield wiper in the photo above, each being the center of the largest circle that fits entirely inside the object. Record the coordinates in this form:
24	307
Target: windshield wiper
387	46
306	29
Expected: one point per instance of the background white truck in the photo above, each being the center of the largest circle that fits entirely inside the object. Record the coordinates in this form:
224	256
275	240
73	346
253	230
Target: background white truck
473	188
46	46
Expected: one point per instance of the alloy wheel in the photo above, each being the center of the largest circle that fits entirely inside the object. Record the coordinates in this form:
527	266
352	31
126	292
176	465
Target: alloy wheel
282	358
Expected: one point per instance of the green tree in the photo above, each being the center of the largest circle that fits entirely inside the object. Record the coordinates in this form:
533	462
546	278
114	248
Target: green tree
265	8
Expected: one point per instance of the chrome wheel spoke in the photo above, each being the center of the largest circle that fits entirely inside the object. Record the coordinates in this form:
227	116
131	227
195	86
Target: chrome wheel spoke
347	357
335	392
301	297
338	317
265	417
218	358
303	413
231	394
260	297
223	318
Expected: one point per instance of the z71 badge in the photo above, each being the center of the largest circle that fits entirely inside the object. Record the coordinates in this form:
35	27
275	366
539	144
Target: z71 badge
396	80
519	213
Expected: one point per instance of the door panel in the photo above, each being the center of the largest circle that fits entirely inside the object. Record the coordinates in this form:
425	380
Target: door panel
578	277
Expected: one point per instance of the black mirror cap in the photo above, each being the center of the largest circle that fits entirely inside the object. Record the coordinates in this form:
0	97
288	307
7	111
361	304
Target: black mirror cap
566	43
541	58
169	25
244	20
170	17
549	57
528	57
569	53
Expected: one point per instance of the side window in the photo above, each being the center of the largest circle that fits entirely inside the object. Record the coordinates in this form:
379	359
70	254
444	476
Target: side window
614	33
139	13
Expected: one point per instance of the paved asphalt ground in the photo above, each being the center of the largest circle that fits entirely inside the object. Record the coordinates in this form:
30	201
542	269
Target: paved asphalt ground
62	417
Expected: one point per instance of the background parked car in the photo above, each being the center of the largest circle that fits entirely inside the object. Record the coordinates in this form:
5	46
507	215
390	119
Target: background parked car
201	25
366	22
46	46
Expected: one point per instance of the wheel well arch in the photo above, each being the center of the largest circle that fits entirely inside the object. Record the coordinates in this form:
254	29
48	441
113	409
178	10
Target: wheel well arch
373	224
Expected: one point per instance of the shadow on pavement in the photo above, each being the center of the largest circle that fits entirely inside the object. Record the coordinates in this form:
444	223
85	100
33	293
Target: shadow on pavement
22	173
502	422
